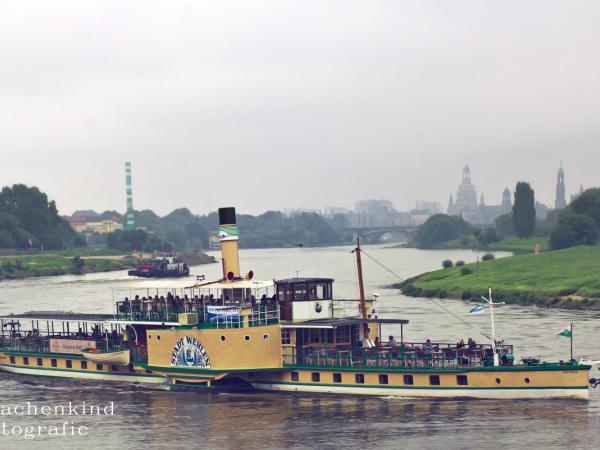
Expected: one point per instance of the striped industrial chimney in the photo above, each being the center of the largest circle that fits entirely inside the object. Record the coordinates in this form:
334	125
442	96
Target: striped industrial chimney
129	222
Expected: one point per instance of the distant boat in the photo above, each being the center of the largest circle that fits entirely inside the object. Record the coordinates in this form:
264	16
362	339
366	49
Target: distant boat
161	266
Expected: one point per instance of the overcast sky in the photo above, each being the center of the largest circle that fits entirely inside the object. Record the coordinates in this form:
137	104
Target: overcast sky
273	104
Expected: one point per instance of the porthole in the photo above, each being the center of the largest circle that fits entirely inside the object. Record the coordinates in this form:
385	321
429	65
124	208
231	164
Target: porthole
246	338
149	336
266	337
527	380
223	338
497	380
158	337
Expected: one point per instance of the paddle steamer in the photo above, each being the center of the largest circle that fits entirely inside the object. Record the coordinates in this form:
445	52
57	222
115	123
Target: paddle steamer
276	335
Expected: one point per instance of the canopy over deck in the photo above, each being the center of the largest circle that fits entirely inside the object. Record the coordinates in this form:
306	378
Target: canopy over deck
67	316
336	323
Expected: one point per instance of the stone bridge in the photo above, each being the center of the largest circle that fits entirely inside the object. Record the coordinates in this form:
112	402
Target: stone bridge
373	234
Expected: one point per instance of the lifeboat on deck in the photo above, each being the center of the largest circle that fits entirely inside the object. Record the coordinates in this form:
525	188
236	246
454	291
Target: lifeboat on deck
115	357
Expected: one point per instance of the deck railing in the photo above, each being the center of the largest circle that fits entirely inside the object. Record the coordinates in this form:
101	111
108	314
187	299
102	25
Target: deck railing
41	344
259	315
441	356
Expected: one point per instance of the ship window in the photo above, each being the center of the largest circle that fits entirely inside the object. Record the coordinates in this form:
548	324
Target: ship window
434	380
266	337
408	379
13	360
69	364
314	336
359	378
25	360
342	335
158	337
223	338
316	377
149	336
114	368
286	336
84	364
497	380
462	380
337	377
383	379
99	367
40	362
53	363
247	338
295	376
527	380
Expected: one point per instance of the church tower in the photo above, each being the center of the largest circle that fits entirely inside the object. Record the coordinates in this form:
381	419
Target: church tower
560	201
506	201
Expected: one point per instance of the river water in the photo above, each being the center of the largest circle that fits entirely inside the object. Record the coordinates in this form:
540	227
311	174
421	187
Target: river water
154	417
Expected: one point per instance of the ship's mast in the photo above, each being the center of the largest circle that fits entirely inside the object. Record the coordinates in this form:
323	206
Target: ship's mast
361	287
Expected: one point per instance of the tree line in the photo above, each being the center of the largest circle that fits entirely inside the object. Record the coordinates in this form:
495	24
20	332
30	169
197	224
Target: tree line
182	230
29	219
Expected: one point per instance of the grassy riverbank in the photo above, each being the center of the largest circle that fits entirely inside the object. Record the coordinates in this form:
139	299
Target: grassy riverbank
563	278
43	265
510	244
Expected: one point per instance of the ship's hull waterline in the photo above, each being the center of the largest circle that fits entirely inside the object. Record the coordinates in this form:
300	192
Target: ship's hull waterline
91	375
401	392
440	392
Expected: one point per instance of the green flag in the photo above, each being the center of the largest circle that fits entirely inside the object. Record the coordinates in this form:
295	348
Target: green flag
567	332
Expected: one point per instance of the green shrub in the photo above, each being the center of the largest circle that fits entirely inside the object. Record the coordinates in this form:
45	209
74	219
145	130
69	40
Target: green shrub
466	271
459	263
447	263
487	257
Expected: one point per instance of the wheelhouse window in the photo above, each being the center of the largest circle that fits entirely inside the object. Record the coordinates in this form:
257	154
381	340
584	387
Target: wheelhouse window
69	364
316	377
25	360
13	360
383	379
409	380
54	363
99	367
300	292
434	380
295	376
337	377
84	364
40	362
359	378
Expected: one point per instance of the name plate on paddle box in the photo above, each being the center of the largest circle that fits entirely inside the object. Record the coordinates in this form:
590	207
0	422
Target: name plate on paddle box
70	345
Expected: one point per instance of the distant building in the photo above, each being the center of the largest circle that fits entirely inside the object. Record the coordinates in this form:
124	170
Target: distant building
427	207
330	211
467	207
87	213
89	225
376	213
561	200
